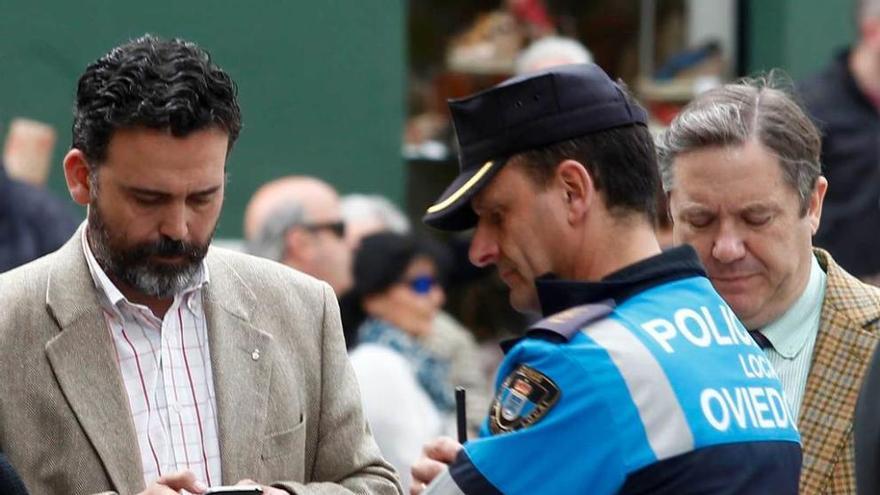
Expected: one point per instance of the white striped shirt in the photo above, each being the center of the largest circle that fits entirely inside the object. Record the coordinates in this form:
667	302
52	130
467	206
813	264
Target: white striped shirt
166	368
793	337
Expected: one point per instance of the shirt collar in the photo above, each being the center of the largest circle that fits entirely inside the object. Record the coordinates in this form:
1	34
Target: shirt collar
677	263
111	295
791	331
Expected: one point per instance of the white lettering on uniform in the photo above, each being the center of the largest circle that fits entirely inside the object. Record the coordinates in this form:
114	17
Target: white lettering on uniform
761	407
778	407
738	330
662	331
698	328
721	339
749	406
738	408
707	398
756	363
765	406
745	368
681	318
757	366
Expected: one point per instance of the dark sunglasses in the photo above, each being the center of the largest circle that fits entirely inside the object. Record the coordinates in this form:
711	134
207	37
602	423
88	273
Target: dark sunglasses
338	228
422	285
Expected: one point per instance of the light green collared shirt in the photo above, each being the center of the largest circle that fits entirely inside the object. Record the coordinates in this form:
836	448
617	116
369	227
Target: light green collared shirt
793	337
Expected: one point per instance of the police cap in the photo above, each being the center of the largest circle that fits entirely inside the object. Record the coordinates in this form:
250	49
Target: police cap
522	113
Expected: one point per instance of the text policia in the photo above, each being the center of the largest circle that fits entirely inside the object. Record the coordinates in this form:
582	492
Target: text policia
757	406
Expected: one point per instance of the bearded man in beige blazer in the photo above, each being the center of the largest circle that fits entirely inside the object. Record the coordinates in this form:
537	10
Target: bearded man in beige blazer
137	359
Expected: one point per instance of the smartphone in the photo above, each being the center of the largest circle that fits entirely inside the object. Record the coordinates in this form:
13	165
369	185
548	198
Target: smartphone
235	490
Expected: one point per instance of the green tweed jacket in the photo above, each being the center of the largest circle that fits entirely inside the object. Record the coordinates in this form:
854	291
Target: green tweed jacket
848	331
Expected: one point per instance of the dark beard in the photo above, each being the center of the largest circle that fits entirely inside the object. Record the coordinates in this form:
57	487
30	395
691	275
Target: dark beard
133	267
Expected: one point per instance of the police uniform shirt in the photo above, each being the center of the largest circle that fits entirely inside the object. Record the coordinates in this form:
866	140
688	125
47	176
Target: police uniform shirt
644	382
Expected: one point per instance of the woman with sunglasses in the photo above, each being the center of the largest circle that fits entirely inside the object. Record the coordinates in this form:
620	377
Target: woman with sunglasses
405	390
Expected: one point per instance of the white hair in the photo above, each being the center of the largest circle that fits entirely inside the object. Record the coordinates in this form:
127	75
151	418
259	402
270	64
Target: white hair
357	208
552	50
866	9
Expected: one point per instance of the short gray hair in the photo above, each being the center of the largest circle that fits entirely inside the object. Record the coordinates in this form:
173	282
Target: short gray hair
556	48
866	9
733	114
270	240
359	207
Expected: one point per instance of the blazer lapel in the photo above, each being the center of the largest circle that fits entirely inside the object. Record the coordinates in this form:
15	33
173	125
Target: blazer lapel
83	360
241	362
843	350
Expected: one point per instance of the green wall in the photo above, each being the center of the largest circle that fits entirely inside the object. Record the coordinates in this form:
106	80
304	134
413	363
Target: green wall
799	36
321	83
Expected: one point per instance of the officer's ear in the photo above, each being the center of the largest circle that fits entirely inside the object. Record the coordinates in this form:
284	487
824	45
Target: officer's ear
578	188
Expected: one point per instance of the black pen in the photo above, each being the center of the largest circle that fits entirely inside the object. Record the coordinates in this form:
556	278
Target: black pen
460	414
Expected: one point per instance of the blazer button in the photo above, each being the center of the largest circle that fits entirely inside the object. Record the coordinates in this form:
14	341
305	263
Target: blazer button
255	355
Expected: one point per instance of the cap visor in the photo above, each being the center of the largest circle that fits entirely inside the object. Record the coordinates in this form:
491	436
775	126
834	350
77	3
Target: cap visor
452	211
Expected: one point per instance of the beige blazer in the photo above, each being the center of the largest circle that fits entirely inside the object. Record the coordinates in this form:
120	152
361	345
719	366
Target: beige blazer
849	328
288	404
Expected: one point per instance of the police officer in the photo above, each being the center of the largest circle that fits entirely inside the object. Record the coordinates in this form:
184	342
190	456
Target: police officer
640	379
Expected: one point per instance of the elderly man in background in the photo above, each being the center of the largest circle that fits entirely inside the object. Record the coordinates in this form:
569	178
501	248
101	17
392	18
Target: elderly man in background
296	221
741	167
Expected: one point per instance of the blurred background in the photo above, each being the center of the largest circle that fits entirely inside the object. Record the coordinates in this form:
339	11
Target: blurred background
353	91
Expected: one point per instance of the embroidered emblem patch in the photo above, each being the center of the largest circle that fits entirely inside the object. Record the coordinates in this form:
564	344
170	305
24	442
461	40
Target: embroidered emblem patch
525	396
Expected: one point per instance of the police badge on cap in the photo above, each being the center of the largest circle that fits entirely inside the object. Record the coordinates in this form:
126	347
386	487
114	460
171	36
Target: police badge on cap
523	113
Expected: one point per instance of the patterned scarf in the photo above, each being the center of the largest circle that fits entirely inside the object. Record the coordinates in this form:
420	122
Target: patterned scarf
431	371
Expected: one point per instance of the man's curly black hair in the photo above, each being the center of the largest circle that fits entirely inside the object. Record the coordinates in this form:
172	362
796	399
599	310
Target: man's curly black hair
153	83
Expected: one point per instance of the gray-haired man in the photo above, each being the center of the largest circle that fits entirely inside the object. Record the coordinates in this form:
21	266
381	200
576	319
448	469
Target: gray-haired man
741	166
296	220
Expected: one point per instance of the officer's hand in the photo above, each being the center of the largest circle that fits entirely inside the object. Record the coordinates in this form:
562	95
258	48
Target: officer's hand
171	484
436	456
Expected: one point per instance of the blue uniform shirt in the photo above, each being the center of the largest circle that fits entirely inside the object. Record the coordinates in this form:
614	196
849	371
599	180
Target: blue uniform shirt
652	386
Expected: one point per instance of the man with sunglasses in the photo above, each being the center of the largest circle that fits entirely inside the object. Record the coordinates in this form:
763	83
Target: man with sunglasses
296	221
640	379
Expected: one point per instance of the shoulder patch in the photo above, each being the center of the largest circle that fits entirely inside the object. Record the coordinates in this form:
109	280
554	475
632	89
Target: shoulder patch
567	323
525	396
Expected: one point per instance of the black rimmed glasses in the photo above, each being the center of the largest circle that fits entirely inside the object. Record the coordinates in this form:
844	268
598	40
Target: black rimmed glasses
338	228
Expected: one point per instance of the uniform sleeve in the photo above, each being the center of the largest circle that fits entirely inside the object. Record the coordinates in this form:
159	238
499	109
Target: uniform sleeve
548	431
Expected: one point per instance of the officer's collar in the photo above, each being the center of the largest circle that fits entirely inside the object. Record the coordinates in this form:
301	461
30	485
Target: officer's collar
558	295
